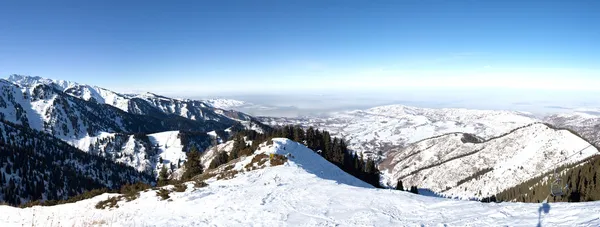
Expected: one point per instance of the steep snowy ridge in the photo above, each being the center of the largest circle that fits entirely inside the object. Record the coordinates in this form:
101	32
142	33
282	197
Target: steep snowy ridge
585	124
377	130
305	191
43	107
226	104
304	160
151	103
463	166
77	114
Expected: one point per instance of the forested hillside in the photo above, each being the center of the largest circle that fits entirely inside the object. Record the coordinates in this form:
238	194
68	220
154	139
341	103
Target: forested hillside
331	148
582	181
37	166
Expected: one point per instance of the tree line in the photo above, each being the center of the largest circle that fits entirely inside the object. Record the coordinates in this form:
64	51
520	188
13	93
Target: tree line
35	166
580	182
332	149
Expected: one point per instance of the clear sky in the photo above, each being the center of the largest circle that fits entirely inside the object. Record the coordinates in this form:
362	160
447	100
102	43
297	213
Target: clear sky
212	47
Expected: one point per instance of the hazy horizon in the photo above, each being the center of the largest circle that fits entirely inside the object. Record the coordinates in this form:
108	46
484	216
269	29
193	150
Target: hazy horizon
535	56
539	103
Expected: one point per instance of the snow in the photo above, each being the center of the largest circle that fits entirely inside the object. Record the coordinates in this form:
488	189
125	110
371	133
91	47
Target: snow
85	142
585	123
383	128
169	143
191	109
212	133
138	156
226	104
439	164
211	153
134	153
170	148
296	194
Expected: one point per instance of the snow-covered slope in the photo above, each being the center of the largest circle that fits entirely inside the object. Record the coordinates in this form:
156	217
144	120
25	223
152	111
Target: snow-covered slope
145	103
464	166
226	104
382	128
585	123
301	192
148	152
78	115
43	107
35	165
209	155
82	91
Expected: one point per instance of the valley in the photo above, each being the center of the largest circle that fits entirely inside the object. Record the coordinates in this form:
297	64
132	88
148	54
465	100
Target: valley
457	154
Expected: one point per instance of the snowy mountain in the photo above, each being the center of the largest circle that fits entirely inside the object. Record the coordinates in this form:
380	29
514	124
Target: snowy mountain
226	104
305	191
585	123
375	131
35	165
142	104
43	107
466	166
83	123
123	128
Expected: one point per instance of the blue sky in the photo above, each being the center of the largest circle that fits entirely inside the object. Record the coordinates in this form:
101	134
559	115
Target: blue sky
218	47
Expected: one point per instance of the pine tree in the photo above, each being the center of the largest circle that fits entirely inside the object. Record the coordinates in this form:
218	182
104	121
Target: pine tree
299	134
221	159
414	189
163	176
399	186
310	138
193	165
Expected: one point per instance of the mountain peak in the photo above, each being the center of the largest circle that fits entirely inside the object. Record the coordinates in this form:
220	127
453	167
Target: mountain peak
29	81
224	103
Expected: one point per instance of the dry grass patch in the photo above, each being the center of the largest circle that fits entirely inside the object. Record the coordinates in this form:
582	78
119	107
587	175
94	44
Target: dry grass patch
134	188
83	196
229	167
277	159
163	193
109	203
205	176
259	160
227	175
180	187
200	184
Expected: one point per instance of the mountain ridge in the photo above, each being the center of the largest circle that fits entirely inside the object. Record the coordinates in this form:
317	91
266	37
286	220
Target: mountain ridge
523	153
69	111
375	131
192	109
